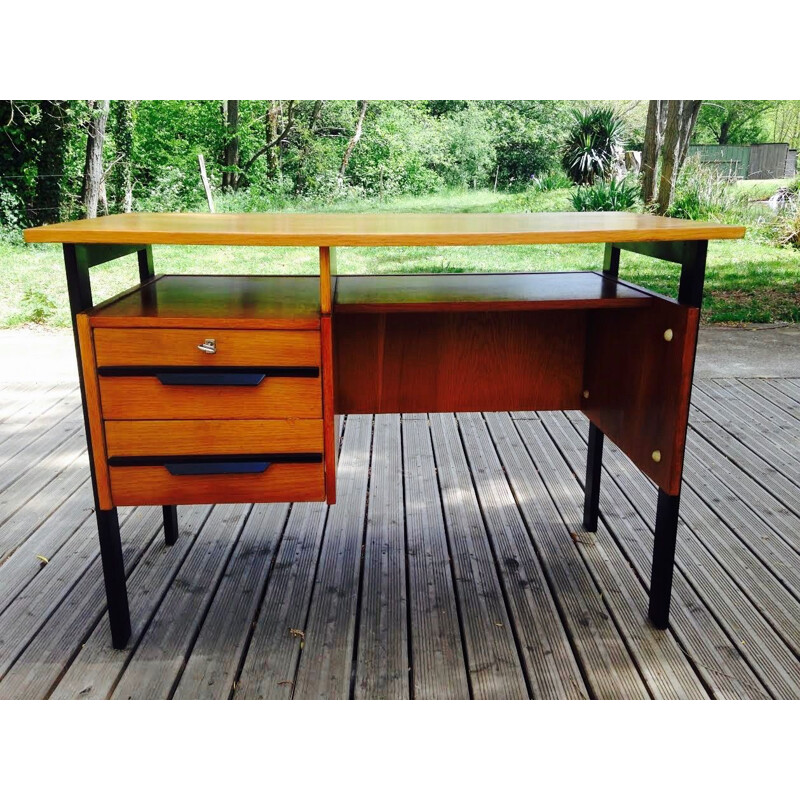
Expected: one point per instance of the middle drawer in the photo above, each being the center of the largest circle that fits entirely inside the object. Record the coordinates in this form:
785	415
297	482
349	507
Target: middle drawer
212	437
148	397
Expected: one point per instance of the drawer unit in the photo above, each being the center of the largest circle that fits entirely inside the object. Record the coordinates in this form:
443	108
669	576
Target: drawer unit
206	412
186	481
155	397
176	347
212	437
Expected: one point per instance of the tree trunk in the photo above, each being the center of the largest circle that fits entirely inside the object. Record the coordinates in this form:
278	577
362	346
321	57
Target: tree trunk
93	168
653	141
52	131
230	176
681	119
272	135
353	141
123	171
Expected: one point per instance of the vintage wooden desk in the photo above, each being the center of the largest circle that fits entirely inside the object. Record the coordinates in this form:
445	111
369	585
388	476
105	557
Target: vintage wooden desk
226	389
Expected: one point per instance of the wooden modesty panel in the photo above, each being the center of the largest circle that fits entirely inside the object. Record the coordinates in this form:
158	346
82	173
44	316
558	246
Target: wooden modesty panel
640	381
155	486
213	437
179	347
145	397
434	362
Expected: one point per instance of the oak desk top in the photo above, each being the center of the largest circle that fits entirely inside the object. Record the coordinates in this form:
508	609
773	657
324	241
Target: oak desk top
379	230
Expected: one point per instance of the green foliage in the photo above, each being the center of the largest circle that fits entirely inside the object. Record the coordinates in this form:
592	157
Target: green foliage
612	195
35	306
702	193
593	139
733	121
787	225
550	181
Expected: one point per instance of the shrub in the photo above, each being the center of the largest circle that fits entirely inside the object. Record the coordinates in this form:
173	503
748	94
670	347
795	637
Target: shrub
35	306
702	192
593	140
610	195
788	224
550	181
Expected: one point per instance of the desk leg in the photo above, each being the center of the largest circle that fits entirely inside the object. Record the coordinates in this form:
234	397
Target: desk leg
663	558
170	524
146	273
114	576
594	467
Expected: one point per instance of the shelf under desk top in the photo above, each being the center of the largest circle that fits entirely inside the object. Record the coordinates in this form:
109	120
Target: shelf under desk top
366	294
379	230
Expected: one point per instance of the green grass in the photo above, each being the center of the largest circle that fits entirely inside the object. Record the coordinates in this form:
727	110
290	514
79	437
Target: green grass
746	281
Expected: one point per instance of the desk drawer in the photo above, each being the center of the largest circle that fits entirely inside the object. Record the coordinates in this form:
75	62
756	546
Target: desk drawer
172	347
212	437
147	397
159	485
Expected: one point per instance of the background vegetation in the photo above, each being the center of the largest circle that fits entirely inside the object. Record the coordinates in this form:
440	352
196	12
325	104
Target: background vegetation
64	159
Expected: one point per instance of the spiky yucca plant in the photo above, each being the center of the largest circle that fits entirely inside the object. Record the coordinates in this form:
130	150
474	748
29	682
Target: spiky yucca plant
589	150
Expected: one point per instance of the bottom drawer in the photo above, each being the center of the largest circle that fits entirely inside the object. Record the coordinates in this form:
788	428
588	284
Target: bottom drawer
178	483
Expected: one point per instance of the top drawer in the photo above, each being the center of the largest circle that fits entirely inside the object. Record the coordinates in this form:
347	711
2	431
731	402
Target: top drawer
151	347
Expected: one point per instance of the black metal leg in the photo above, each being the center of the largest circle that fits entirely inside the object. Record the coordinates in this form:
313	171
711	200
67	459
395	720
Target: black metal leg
663	558
170	524
594	465
114	576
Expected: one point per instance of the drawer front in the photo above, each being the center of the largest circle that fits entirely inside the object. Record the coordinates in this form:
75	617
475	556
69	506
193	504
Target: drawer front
156	485
118	347
146	397
212	437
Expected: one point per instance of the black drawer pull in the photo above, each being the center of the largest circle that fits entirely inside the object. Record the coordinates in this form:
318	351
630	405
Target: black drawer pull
211	378
217	467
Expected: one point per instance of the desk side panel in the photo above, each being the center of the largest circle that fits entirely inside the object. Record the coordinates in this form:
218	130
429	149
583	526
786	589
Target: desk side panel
434	362
640	381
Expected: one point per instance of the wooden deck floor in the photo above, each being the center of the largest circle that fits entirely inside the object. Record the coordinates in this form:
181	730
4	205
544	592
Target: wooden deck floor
453	566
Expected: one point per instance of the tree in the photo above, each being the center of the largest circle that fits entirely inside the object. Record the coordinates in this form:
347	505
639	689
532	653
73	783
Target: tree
348	151
272	141
681	119
653	141
733	121
51	131
123	169
230	177
93	167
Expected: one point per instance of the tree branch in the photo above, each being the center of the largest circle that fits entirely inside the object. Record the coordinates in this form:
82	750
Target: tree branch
276	140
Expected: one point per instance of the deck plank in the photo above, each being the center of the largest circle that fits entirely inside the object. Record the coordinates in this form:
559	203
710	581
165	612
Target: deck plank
156	664
211	670
709	648
38	668
600	648
384	610
270	664
382	660
438	669
25	563
550	664
60	413
749	458
494	664
326	660
765	651
94	672
739	421
663	666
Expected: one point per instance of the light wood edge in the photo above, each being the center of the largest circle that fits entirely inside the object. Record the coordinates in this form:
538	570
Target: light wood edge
43	235
330	425
94	411
327	278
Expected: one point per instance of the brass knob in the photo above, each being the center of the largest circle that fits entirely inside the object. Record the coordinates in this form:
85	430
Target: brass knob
656	456
208	346
668	335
